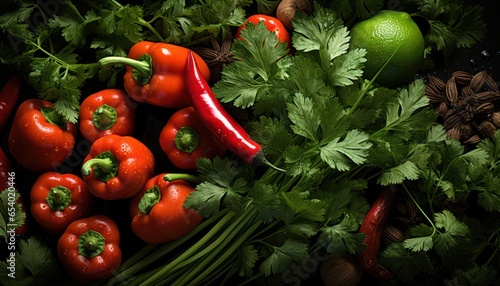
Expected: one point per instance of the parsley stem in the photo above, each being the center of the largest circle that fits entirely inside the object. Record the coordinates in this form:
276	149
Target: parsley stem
420	208
152	29
195	248
146	256
219	246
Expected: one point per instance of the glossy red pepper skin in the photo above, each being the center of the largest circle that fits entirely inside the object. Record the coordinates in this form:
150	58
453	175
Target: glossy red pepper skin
8	98
59	199
272	24
37	144
372	226
185	139
166	219
84	269
167	86
134	165
227	130
7	180
109	111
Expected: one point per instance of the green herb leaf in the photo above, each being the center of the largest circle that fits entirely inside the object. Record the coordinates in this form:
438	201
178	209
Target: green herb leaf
284	256
11	213
341	153
249	76
404	263
223	185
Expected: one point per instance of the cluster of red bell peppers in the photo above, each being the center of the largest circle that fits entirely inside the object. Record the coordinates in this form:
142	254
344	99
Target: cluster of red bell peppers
118	166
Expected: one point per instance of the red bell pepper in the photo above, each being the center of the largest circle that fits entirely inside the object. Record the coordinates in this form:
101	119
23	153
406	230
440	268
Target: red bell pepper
158	215
117	167
272	24
7	183
109	111
40	139
185	139
8	98
89	249
59	199
155	73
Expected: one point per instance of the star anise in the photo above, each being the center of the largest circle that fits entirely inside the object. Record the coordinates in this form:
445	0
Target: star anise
468	105
218	56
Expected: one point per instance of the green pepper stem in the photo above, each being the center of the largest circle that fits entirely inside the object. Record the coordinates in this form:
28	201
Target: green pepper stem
143	67
186	177
104	117
59	198
187	139
53	117
104	164
91	244
150	198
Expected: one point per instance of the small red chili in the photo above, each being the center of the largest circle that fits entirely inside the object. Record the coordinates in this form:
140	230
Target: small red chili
109	111
373	226
185	139
218	121
59	199
8	98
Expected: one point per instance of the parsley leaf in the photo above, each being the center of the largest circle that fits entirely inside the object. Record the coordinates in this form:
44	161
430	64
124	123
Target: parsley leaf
35	264
283	256
406	264
249	76
223	185
341	153
8	207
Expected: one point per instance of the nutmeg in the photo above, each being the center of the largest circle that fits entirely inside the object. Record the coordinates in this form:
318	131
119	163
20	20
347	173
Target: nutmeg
340	271
392	234
285	12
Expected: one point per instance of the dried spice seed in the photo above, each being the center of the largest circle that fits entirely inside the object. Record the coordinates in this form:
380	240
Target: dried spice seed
468	105
462	77
477	81
451	90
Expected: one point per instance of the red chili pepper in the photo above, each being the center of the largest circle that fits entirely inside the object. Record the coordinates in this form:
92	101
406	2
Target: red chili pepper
7	183
108	111
158	215
8	98
89	249
272	24
59	199
227	130
185	139
155	73
117	167
372	226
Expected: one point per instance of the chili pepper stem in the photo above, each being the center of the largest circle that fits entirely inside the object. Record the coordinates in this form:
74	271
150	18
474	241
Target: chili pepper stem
186	177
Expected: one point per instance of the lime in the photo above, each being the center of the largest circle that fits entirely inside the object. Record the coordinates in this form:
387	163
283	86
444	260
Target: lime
390	33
